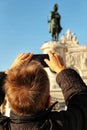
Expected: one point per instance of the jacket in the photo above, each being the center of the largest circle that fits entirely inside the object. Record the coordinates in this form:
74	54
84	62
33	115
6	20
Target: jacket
74	118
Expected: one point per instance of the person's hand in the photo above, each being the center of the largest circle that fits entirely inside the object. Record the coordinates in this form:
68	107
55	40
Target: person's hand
20	59
55	62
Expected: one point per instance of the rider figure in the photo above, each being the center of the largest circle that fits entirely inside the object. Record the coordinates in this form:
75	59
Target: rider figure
54	26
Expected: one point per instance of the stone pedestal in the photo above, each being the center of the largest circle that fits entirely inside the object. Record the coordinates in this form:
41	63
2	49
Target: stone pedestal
55	47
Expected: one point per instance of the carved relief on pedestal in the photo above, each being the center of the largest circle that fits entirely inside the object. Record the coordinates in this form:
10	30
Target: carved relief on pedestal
70	61
73	59
84	61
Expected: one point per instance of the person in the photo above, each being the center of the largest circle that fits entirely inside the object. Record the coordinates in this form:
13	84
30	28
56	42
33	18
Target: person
28	92
54	23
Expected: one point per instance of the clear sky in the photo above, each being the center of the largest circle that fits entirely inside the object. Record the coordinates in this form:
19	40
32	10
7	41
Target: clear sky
24	25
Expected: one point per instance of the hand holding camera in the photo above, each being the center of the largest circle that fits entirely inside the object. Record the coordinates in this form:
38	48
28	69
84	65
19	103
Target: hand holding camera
55	62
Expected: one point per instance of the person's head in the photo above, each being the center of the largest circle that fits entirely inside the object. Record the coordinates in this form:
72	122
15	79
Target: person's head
27	88
55	7
2	79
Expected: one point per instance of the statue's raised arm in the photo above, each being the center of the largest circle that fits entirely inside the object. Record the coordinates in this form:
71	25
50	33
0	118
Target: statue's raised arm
54	23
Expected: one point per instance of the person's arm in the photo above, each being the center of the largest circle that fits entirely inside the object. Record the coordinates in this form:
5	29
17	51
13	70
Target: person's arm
71	83
75	94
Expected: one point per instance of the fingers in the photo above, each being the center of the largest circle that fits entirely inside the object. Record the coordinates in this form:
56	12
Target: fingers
56	57
55	62
21	58
51	55
47	62
24	56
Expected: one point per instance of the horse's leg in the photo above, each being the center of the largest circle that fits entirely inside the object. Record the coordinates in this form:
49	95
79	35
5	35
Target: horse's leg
56	36
52	36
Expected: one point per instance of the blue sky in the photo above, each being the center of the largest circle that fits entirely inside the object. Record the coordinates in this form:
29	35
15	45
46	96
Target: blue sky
24	26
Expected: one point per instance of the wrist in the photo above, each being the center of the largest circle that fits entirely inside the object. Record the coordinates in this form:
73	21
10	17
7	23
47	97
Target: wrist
58	70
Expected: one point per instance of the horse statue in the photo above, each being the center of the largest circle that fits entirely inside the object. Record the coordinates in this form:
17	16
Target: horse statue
54	23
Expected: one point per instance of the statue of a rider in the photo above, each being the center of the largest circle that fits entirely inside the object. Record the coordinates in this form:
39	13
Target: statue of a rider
54	23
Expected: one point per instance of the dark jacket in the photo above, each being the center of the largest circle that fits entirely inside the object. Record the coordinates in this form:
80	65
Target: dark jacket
74	118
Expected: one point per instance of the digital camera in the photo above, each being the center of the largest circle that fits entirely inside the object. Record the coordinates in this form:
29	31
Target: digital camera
40	58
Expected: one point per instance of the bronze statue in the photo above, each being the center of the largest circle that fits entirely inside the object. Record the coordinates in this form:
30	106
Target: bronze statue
54	23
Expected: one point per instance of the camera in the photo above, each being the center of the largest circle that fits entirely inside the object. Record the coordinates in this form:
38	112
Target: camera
40	58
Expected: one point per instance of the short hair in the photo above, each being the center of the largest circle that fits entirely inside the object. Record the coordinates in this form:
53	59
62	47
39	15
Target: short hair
27	88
